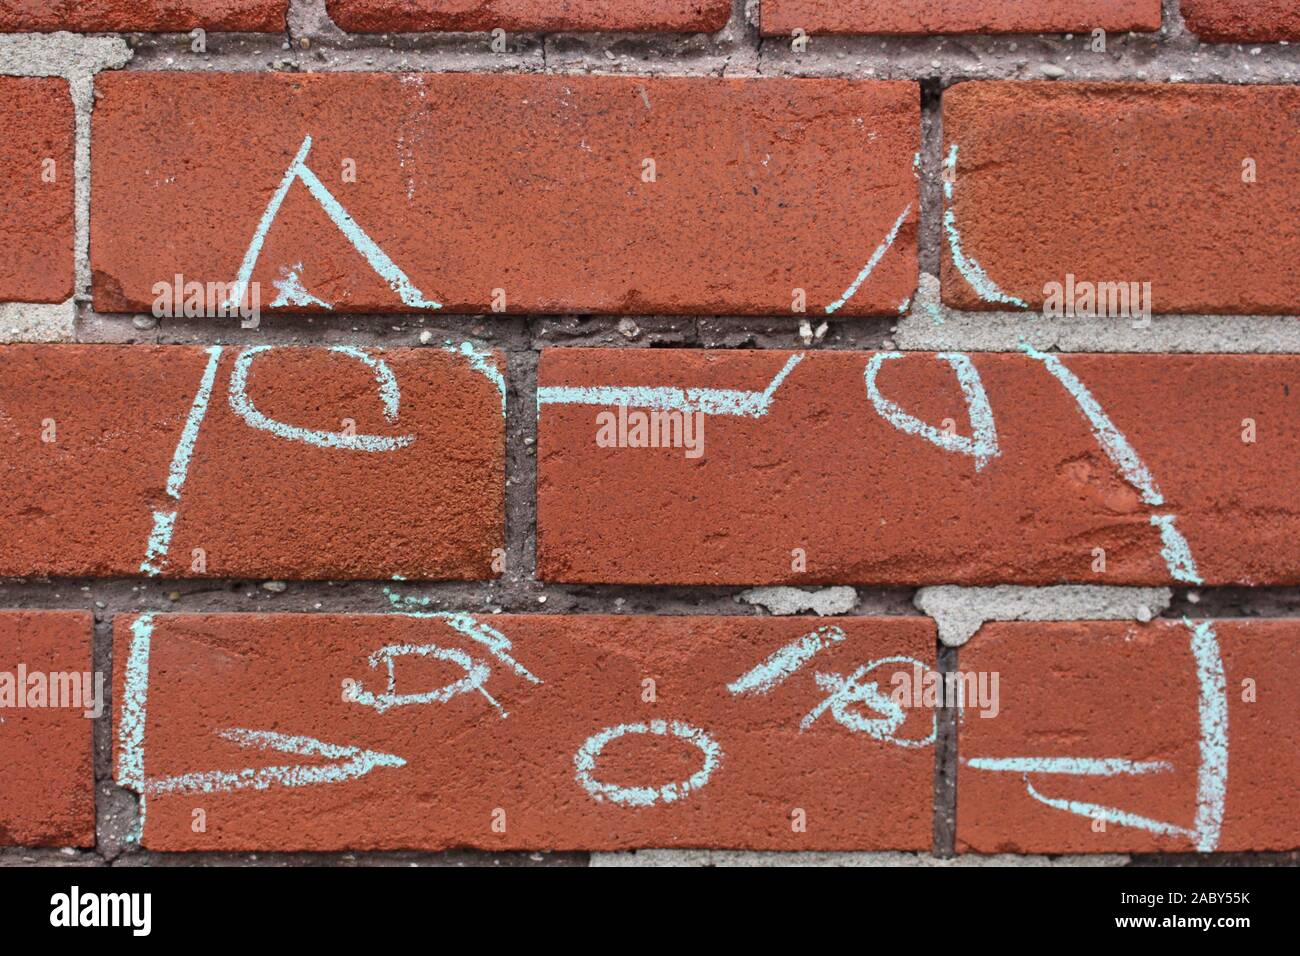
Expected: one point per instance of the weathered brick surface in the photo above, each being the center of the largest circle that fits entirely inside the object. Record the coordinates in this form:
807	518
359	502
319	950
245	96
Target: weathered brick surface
1242	20
47	789
36	186
501	731
1124	183
782	17
146	16
378	16
869	501
93	435
1153	696
527	184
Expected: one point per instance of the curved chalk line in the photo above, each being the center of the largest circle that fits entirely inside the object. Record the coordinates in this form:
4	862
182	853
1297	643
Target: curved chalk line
389	396
584	762
982	445
874	261
968	266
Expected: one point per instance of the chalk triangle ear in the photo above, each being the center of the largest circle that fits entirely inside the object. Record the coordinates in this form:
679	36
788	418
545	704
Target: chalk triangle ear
981	444
375	257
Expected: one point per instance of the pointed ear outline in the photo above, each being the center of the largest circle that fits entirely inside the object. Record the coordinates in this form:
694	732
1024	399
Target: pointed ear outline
375	257
981	444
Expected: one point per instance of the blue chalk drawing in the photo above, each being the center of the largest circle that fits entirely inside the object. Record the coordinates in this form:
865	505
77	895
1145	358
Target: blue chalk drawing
968	266
476	674
1212	772
389	396
352	762
180	464
710	401
871	263
982	445
1095	811
585	762
374	256
1212	706
291	291
785	661
131	736
1176	551
135	694
843	692
131	719
164	522
160	542
1110	438
482	363
496	643
1073	766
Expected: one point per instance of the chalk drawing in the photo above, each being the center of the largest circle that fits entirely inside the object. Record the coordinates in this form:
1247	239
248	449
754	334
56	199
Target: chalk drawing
351	762
389	395
376	257
1212	707
982	444
710	401
291	291
1175	550
482	363
585	762
842	692
476	674
160	540
1095	811
1074	766
164	522
968	266
871	264
785	661
131	718
135	695
1212	772
497	644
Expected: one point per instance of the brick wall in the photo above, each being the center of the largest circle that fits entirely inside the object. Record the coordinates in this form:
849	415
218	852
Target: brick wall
533	433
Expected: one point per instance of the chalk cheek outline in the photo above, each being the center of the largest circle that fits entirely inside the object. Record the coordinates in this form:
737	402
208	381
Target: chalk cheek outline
389	395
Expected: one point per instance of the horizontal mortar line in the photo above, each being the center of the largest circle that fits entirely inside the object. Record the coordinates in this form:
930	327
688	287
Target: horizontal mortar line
938	345
526	590
1188	74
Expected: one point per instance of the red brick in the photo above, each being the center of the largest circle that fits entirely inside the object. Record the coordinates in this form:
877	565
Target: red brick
465	758
529	184
1220	21
47	790
36	219
868	503
144	16
782	17
1126	183
1113	690
258	504
380	16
